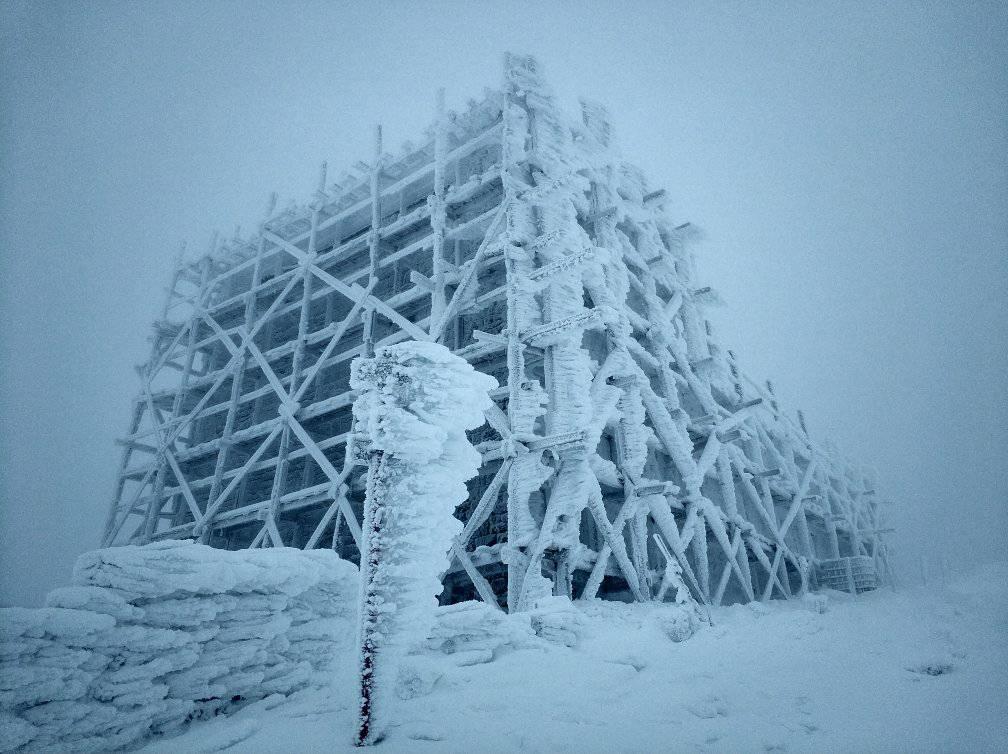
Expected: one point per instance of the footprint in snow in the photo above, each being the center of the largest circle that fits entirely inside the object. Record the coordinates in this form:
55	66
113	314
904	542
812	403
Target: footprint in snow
708	708
933	667
634	662
424	733
232	733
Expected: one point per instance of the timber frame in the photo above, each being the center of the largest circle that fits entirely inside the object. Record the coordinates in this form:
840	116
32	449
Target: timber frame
622	434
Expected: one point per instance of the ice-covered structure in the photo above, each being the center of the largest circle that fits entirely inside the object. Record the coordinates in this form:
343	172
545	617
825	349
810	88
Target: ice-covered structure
416	401
623	436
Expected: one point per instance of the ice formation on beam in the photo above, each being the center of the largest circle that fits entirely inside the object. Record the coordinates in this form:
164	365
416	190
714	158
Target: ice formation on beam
622	438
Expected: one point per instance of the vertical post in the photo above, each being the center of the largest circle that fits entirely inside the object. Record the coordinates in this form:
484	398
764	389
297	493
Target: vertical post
138	408
268	330
120	482
826	484
370	608
374	240
638	521
154	510
699	547
727	484
176	273
237	380
415	402
516	561
854	499
438	216
283	460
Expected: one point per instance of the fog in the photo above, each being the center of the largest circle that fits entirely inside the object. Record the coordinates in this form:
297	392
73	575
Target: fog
848	164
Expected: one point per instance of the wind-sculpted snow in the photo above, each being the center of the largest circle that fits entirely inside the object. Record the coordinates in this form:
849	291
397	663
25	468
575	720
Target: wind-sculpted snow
150	637
415	404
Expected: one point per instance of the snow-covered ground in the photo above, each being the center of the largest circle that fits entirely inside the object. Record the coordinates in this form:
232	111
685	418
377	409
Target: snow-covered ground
910	670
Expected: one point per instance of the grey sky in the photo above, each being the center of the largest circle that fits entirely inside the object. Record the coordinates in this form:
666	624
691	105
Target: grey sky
848	163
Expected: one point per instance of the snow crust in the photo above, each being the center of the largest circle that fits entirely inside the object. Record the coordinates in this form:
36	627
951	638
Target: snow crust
149	637
918	670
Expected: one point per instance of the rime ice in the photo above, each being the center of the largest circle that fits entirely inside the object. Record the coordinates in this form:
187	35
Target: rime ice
626	453
415	403
149	638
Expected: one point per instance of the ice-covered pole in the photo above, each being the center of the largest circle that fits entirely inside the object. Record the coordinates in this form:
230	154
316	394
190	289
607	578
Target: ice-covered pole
415	402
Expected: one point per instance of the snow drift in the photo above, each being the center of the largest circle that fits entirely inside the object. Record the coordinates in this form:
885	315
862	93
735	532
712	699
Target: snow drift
150	637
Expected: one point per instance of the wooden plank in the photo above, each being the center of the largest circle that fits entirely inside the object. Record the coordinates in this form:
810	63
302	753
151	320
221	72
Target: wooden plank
486	591
270	375
213	507
337	335
798	500
326	518
337	478
437	329
727	571
486	503
353	291
186	492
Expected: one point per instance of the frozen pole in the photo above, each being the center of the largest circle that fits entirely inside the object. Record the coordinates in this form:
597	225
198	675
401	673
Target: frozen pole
415	402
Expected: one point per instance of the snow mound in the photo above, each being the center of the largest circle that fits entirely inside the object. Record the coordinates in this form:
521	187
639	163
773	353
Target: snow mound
178	568
558	621
468	627
150	637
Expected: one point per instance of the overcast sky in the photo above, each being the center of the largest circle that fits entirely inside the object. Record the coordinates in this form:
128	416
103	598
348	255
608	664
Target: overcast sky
848	163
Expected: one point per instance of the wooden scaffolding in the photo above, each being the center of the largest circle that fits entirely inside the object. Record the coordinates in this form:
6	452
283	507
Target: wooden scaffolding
622	434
